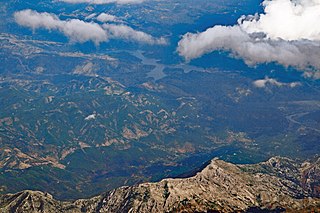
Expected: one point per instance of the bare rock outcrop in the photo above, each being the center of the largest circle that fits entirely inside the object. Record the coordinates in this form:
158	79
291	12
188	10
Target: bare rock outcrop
279	184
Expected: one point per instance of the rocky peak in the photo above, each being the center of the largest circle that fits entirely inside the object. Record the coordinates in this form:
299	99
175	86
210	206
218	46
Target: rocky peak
220	186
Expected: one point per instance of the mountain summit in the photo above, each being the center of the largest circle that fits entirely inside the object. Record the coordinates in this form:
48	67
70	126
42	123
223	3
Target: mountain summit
279	184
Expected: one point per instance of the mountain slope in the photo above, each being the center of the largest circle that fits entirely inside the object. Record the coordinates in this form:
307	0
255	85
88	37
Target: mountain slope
278	184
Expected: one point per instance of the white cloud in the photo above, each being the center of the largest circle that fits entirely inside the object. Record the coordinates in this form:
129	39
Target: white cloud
104	17
79	31
75	29
301	54
287	33
262	83
91	16
127	33
287	19
90	117
104	1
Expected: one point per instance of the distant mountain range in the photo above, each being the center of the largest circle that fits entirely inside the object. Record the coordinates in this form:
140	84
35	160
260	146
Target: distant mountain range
279	184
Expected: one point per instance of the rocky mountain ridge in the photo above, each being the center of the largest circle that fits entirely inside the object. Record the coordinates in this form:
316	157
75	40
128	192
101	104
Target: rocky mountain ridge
279	184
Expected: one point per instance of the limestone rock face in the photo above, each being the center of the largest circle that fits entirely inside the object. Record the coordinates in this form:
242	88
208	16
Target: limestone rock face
278	184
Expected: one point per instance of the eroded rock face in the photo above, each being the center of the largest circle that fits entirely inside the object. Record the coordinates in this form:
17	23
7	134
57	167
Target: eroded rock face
278	184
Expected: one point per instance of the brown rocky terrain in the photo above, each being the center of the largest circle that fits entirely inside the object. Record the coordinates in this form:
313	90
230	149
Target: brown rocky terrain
279	184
